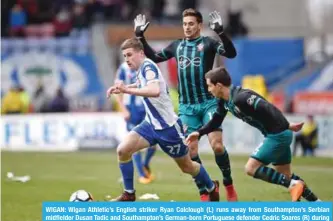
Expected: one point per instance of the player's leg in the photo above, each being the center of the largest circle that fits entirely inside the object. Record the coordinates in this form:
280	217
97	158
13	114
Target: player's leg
171	141
146	164
191	123
221	155
141	164
199	174
137	156
274	150
141	137
258	170
286	170
307	193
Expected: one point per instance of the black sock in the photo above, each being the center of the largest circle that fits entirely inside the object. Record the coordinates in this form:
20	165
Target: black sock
307	193
201	186
272	176
223	162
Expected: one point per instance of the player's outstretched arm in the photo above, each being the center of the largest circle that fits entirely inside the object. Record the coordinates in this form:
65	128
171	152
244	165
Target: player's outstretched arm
212	125
134	85
152	89
115	88
215	23
216	120
120	102
296	126
140	26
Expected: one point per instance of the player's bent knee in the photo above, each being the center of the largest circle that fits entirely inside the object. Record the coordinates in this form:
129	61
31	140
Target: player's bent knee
218	147
122	152
250	169
216	142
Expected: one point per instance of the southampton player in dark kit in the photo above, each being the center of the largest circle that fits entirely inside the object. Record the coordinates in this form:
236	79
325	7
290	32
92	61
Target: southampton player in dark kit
195	56
255	110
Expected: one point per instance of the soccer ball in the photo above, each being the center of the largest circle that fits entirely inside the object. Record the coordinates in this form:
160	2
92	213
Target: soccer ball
81	196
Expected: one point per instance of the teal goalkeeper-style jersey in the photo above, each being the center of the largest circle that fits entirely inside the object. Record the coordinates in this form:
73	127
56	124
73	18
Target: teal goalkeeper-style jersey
194	58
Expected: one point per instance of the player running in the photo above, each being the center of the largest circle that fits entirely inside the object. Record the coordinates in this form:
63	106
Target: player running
161	125
134	113
255	110
195	56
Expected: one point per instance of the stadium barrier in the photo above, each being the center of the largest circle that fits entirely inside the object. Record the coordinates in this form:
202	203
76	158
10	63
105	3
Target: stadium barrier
61	132
77	131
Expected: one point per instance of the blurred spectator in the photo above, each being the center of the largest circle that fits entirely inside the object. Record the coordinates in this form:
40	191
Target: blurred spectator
59	4
62	22
236	26
25	99
112	9
80	19
41	100
6	6
45	9
17	21
133	9
91	10
308	138
157	11
184	4
12	102
60	103
31	8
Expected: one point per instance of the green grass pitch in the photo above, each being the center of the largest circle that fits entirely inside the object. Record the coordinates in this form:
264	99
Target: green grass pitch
56	175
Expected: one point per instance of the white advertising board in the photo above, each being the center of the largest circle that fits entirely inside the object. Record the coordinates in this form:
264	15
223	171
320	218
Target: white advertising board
73	131
61	132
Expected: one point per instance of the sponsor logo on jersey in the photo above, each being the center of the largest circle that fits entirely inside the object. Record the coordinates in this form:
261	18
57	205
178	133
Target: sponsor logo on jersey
250	100
150	75
184	61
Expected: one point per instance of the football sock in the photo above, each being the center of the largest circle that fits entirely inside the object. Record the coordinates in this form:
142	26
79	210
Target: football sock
223	162
272	176
138	163
307	193
200	185
149	154
127	172
203	177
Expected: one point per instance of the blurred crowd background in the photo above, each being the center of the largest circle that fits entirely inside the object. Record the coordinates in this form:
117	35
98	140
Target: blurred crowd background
62	55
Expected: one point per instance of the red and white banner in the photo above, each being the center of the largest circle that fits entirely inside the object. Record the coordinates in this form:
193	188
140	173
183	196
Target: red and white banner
313	103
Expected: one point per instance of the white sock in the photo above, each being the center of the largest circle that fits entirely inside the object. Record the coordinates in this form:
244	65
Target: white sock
318	200
211	189
129	191
292	183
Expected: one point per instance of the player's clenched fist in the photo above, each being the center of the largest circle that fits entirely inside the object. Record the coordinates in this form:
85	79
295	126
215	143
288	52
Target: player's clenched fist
112	90
140	25
215	22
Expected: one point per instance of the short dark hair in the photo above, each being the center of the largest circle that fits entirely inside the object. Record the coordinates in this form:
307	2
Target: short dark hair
219	75
193	12
132	43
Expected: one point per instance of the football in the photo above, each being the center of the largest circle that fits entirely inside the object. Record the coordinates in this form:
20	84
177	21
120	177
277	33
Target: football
81	196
